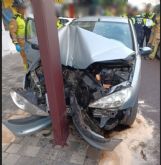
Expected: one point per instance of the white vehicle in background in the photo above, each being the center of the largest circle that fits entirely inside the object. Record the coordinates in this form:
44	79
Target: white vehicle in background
65	20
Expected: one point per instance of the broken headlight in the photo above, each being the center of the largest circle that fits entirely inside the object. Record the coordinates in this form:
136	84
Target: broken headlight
112	101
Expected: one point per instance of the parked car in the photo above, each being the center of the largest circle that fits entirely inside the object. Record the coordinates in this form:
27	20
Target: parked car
101	67
65	20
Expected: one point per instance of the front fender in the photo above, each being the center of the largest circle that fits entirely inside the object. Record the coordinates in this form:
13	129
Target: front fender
93	138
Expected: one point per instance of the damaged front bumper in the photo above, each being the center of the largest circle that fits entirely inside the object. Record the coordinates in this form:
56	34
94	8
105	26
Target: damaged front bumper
27	126
93	138
38	120
35	123
26	101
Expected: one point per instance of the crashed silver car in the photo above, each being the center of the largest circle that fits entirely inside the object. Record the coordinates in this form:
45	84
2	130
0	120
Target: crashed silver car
101	67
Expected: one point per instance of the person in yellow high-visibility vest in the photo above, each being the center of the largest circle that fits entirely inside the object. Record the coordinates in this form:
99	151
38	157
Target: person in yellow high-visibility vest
112	10
149	22
7	4
17	29
154	41
129	13
59	24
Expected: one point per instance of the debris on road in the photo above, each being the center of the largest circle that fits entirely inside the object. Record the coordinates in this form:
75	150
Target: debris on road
143	155
135	139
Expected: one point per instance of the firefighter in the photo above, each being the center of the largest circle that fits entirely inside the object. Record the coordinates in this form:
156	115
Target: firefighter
149	18
154	41
17	29
138	22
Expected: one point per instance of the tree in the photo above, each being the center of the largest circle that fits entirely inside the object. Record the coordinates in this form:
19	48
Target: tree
121	4
157	9
110	2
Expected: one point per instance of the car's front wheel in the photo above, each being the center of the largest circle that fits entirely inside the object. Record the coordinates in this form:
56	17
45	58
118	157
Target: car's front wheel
131	118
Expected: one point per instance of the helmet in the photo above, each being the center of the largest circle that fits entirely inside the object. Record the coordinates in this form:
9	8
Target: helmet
19	3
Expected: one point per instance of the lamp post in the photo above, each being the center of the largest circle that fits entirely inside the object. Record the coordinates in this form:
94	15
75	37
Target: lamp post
45	20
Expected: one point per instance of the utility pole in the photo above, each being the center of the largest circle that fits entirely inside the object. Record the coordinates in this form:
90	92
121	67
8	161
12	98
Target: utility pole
45	20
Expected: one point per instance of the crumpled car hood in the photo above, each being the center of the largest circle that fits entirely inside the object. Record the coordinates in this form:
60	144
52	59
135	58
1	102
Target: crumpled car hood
80	48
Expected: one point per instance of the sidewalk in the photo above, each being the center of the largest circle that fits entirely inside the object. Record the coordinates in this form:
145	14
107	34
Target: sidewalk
36	149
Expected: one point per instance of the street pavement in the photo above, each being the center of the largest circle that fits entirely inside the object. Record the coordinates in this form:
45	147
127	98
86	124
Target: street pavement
150	89
36	149
40	150
150	102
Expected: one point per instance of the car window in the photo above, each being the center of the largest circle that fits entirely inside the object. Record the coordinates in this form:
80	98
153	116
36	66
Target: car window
113	30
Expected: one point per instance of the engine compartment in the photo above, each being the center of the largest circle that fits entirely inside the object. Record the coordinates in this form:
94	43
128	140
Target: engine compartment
94	82
88	85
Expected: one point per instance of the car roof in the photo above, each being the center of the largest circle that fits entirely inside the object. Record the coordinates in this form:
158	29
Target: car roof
104	18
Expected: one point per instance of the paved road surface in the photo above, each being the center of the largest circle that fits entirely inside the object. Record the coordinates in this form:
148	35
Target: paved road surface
150	89
150	95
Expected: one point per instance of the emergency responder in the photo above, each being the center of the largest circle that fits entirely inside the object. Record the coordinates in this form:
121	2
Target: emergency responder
112	10
154	41
17	29
128	12
149	18
59	24
138	22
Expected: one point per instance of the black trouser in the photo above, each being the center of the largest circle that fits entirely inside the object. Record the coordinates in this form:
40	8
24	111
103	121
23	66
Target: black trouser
140	34
140	38
147	33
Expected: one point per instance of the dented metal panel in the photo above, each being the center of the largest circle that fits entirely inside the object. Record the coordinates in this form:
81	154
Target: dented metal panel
27	102
93	138
27	126
80	48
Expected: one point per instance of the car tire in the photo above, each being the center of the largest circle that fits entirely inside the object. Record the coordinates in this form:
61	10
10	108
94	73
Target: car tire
131	118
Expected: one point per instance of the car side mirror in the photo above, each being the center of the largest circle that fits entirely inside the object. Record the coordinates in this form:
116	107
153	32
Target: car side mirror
34	46
145	51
